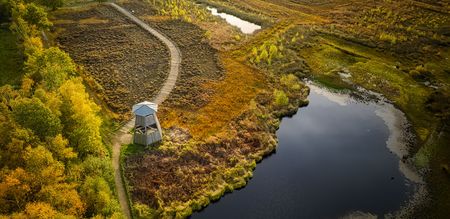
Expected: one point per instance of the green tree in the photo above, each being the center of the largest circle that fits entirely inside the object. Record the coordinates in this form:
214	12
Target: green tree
34	115
12	152
35	15
58	145
96	166
98	197
50	68
53	4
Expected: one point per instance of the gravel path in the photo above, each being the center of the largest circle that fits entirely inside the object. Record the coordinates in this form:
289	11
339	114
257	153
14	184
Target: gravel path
123	136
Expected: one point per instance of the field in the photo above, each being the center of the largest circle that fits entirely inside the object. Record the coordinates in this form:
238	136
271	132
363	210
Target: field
122	63
10	58
223	113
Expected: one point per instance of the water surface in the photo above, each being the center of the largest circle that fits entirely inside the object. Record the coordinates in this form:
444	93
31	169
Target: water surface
245	26
332	160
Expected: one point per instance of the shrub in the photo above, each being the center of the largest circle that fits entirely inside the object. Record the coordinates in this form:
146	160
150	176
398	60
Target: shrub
290	81
281	99
388	37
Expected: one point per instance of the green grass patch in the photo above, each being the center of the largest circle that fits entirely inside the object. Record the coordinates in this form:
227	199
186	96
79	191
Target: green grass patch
373	71
131	149
332	81
399	87
327	58
11	58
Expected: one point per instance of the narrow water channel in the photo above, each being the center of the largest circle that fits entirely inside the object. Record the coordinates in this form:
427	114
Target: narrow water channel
245	26
333	159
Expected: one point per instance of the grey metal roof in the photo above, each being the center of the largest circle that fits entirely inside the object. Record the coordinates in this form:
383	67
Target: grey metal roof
151	105
144	110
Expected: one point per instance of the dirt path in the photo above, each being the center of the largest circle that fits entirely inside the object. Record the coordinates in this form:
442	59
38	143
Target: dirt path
123	136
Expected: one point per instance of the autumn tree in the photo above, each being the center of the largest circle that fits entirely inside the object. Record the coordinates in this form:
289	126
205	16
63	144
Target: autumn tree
98	196
59	146
28	19
36	16
97	166
14	190
50	67
53	163
37	210
34	115
79	113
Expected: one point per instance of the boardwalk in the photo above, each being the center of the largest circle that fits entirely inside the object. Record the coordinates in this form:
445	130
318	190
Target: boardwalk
123	136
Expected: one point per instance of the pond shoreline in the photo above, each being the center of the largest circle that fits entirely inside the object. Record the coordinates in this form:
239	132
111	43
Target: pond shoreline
398	141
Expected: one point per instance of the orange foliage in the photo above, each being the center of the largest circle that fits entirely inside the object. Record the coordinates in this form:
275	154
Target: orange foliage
232	97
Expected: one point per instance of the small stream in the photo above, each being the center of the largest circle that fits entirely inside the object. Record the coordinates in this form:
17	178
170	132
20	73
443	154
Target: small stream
337	157
245	26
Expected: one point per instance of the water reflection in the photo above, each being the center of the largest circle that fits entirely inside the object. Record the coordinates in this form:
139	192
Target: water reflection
245	26
332	160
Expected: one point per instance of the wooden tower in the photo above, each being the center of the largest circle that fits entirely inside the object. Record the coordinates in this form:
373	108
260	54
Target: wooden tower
147	130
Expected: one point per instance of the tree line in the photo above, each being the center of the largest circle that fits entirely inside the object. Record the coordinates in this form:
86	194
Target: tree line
53	162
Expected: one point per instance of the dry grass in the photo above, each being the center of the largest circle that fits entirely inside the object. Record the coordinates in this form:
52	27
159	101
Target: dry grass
93	20
221	37
231	98
278	11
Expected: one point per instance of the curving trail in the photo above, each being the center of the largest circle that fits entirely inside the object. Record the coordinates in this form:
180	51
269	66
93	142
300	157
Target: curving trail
123	136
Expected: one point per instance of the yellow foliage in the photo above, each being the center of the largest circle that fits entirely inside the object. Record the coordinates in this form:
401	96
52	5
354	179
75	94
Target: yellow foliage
290	81
33	45
39	210
83	128
281	98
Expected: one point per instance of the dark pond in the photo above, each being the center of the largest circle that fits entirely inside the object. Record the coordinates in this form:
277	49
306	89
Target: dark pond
332	160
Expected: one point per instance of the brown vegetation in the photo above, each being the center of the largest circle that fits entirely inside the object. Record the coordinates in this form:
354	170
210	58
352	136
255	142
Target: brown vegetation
124	64
223	113
219	120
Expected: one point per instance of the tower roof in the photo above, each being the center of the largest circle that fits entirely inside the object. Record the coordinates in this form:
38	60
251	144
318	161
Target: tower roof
145	108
